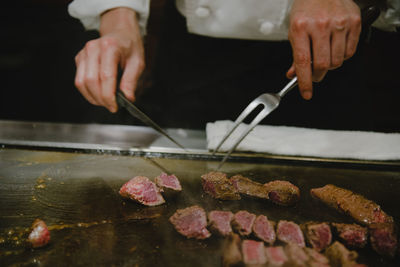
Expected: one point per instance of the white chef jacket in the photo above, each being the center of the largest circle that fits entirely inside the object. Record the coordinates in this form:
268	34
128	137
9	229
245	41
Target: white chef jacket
243	19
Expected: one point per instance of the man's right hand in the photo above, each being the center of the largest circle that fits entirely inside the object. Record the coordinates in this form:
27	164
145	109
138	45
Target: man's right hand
97	63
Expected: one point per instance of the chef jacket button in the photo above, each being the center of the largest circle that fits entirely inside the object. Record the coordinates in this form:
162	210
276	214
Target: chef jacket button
266	27
202	12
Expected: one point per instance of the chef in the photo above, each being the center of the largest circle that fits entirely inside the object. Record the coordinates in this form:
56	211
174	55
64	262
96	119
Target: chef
209	46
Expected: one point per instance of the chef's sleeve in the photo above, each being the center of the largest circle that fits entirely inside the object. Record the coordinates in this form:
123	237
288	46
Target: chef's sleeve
89	11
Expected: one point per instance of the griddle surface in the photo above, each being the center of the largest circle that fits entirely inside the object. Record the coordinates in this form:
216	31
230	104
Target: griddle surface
77	196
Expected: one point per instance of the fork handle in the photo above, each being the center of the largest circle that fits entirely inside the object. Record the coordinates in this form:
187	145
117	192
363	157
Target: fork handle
288	87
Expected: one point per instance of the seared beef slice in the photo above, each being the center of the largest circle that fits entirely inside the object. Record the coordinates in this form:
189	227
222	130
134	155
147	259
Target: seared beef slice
142	190
231	251
191	222
283	192
264	229
168	182
352	235
275	256
39	235
220	222
243	222
383	238
318	235
253	252
290	232
219	186
361	209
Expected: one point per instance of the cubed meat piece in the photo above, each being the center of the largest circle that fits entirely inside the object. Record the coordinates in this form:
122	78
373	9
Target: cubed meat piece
364	211
264	229
40	235
318	235
219	186
316	259
248	187
276	256
383	238
290	232
297	257
351	235
243	222
142	190
253	252
169	183
283	192
220	222
231	251
191	222
339	255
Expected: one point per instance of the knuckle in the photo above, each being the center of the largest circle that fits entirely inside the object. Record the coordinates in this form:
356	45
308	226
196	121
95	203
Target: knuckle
322	23
340	22
356	20
299	24
78	83
90	45
108	42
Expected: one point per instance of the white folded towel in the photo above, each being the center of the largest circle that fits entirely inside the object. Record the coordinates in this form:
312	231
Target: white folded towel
295	141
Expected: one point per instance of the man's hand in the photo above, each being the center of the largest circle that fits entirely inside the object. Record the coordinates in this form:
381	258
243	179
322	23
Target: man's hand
97	63
323	33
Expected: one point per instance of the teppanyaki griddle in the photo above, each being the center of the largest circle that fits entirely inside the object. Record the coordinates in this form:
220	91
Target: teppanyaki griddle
76	194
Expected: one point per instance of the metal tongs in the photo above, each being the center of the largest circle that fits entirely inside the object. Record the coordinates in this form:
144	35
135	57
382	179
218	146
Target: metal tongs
134	111
270	103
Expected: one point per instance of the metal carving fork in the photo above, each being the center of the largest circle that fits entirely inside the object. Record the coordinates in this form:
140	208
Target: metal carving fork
270	103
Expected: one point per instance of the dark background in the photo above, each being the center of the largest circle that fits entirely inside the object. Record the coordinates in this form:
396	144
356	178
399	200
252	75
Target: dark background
39	41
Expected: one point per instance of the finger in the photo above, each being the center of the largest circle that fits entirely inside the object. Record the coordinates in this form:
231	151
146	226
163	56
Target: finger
321	52
302	61
291	73
108	76
133	69
353	36
92	61
80	79
338	46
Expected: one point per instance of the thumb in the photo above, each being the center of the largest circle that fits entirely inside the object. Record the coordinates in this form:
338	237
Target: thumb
291	73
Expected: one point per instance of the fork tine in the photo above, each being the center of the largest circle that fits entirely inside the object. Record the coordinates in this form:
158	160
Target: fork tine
263	113
250	107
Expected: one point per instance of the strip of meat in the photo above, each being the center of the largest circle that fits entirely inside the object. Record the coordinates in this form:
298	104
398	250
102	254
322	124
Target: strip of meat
383	238
264	229
142	190
339	255
248	187
352	235
220	222
276	256
253	252
191	222
296	255
290	232
283	192
318	235
280	192
40	235
243	222
364	211
168	182
231	255
219	186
